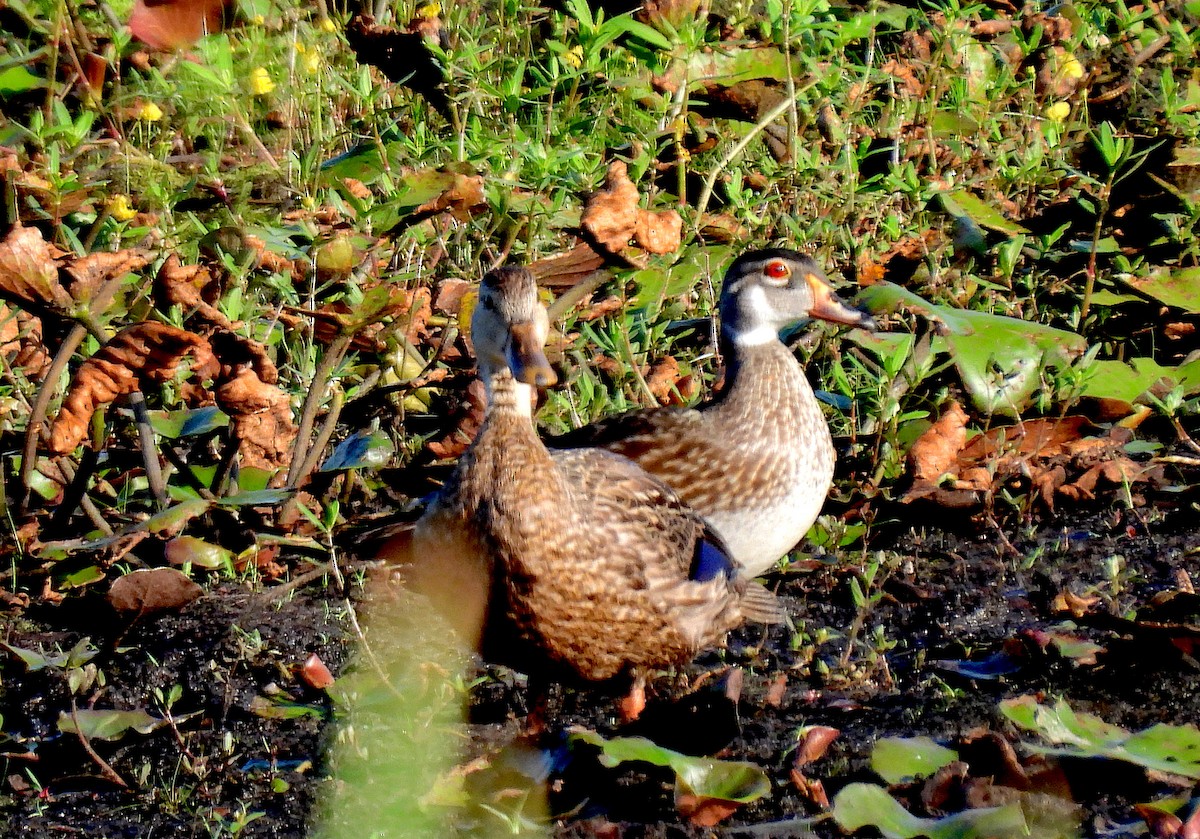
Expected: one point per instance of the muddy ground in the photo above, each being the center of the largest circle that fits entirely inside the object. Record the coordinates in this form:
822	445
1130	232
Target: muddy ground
960	617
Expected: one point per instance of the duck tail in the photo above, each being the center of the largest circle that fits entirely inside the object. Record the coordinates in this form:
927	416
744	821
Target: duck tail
761	605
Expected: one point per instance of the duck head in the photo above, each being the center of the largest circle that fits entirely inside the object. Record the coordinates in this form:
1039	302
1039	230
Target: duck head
509	328
767	290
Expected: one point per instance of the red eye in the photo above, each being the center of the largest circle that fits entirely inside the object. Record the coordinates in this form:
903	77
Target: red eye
777	270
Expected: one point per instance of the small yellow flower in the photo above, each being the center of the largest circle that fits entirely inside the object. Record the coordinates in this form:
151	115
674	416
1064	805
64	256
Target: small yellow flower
1058	112
118	208
1070	67
258	20
149	112
312	63
300	48
327	25
574	57
429	10
260	82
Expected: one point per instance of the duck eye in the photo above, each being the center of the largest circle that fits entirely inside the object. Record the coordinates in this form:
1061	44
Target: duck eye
777	270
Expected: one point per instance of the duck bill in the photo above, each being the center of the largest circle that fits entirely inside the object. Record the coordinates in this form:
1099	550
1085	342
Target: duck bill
528	357
828	306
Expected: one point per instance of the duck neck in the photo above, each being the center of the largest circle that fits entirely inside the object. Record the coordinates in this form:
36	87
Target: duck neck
507	396
763	379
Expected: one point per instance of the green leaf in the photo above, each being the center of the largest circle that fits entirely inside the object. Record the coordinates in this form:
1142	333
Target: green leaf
705	777
1000	359
1161	747
177	516
19	80
1129	382
255	498
963	203
862	805
901	759
188	550
1179	288
107	725
188	422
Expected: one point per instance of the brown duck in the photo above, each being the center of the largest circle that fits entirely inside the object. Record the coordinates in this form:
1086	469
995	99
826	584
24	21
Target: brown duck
595	569
757	460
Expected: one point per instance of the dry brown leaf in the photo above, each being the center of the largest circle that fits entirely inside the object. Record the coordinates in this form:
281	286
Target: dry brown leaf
91	272
568	269
450	294
815	742
610	214
704	812
936	452
457	441
672	12
261	415
660	232
152	590
21	342
28	273
460	200
192	288
662	377
147	351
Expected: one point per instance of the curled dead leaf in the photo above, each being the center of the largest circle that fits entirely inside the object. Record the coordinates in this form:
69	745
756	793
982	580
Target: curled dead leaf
145	352
28	272
816	741
152	590
91	273
21	342
192	288
261	416
610	214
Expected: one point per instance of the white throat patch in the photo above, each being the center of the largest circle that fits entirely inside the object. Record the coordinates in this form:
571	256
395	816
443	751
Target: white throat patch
759	312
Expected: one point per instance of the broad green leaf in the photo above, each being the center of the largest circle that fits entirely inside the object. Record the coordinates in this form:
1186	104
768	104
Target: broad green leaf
185	550
1179	288
963	203
178	515
80	654
1163	748
706	777
107	725
862	805
900	759
188	422
1118	380
19	80
1000	359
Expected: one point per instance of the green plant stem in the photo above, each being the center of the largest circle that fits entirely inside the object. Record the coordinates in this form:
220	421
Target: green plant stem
312	402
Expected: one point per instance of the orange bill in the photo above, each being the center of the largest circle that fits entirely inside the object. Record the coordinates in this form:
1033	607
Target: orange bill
828	306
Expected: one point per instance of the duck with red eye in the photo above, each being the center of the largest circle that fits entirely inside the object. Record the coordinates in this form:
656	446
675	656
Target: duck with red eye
757	460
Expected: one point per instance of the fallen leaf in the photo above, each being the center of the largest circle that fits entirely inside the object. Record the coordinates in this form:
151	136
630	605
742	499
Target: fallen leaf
171	24
192	288
261	415
145	352
659	232
90	273
610	214
814	742
315	674
28	272
152	590
21	342
936	451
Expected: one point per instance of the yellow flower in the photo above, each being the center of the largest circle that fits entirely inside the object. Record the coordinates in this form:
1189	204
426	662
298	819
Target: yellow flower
299	45
260	82
429	10
258	20
328	25
118	208
312	63
149	112
574	56
1070	67
1058	111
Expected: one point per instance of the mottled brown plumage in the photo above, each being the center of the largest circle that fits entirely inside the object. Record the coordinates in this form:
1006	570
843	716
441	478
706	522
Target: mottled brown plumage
756	461
597	568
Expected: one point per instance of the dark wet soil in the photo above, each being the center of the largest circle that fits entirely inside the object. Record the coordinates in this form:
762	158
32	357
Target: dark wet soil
960	616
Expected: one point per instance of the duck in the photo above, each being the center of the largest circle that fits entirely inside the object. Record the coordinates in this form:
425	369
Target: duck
756	460
573	564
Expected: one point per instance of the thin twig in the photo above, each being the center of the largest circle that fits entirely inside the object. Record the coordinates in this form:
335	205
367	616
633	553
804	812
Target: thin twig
107	771
323	436
312	402
41	403
711	181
